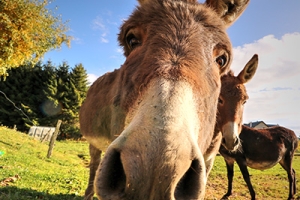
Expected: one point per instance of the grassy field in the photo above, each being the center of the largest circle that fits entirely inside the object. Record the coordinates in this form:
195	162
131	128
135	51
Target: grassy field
268	184
64	176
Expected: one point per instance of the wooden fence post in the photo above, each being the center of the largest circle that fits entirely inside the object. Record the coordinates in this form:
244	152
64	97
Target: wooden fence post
53	138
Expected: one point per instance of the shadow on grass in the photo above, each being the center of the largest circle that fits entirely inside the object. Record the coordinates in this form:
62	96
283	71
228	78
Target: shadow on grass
14	193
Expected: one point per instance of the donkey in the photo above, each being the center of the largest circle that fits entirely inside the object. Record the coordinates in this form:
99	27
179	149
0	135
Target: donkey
256	144
158	109
262	149
232	98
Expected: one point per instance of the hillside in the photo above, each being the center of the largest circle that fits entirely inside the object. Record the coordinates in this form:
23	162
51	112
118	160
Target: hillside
64	176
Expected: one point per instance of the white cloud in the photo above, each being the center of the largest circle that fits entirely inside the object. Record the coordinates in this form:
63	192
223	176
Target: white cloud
92	78
119	50
98	24
274	90
104	40
77	40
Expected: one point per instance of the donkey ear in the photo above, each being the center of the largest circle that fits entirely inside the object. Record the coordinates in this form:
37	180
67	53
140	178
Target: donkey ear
249	70
228	10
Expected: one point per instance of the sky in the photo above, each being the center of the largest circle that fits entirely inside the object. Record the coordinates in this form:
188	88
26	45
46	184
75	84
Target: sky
269	28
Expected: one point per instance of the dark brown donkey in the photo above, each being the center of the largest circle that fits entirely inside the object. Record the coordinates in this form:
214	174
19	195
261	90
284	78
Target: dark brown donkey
232	98
259	149
159	108
262	149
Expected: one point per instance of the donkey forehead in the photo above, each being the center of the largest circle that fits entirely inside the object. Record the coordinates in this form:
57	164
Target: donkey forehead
176	10
160	18
233	89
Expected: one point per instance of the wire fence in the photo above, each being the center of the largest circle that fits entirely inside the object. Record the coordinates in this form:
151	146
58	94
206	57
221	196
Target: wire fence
19	109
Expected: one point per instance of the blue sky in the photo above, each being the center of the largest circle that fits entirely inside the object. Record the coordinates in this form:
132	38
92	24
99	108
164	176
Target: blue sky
270	28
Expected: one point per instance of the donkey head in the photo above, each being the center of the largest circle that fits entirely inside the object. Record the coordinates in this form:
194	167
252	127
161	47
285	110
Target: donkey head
162	102
232	98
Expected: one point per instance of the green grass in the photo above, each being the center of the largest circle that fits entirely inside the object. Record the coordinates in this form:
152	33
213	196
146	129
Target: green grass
268	184
64	176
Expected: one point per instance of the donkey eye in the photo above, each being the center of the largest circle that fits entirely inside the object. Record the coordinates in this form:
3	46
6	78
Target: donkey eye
221	60
132	41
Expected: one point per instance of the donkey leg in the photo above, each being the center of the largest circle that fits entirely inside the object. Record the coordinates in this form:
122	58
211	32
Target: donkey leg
243	167
292	182
287	166
294	185
230	173
94	163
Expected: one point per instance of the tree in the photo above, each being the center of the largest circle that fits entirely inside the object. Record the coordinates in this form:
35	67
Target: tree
27	31
52	107
33	84
64	97
22	90
43	94
78	87
79	82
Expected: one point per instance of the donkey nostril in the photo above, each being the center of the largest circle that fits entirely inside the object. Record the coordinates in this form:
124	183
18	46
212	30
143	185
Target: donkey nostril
113	179
236	142
188	186
223	141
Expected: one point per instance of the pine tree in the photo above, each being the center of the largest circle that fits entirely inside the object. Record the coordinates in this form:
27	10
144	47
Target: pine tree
10	106
21	90
63	97
33	88
51	107
59	95
42	95
78	86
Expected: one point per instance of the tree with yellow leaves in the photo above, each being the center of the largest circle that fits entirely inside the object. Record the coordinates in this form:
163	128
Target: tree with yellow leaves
27	31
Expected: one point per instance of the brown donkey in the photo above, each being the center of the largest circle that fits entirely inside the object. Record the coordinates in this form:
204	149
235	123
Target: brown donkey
159	108
262	149
232	98
259	149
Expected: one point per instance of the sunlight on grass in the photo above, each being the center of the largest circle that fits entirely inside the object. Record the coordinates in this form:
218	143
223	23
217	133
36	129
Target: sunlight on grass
64	176
64	173
268	184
